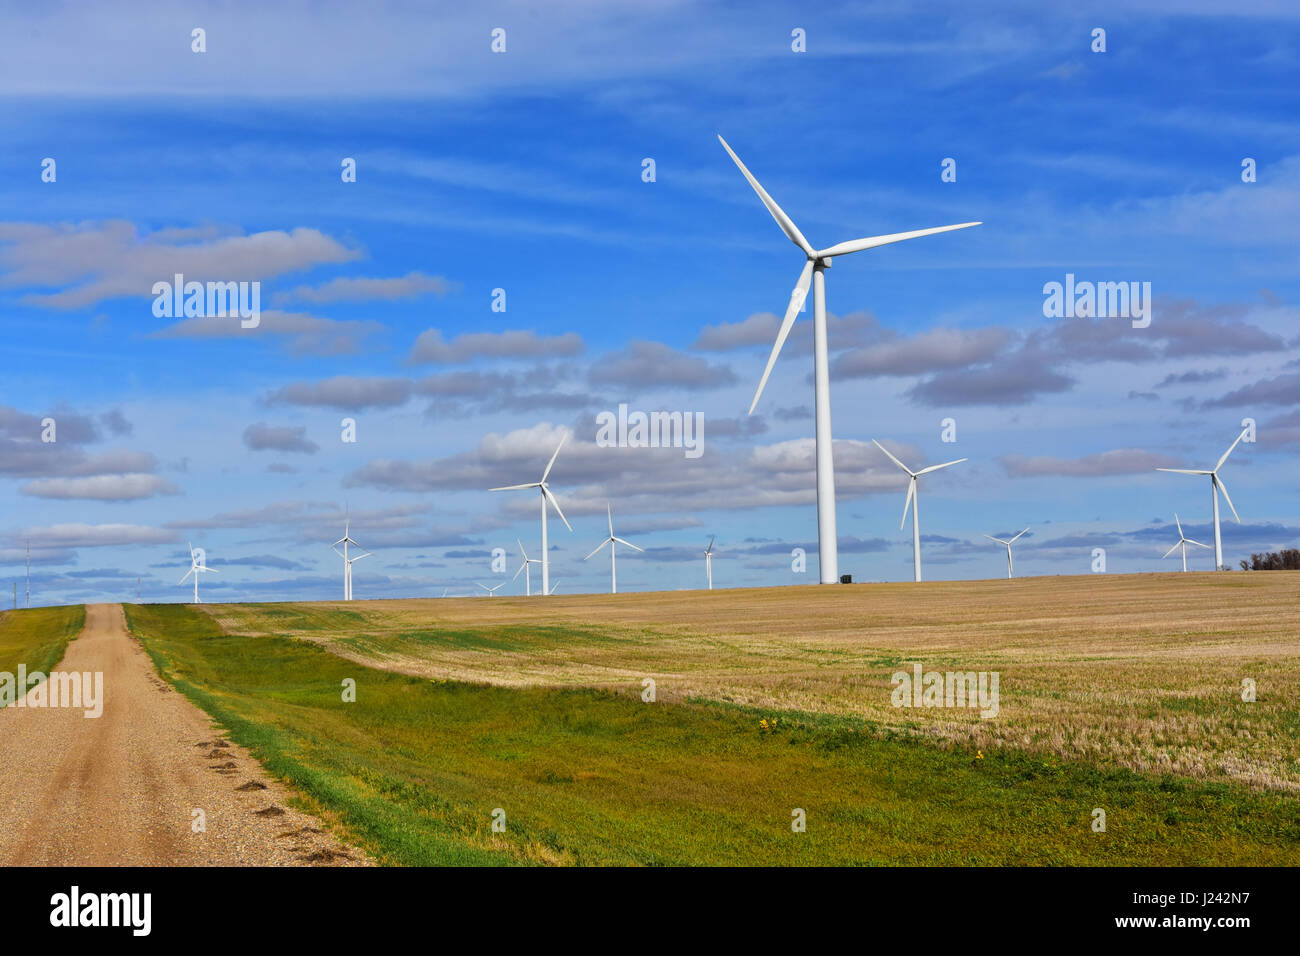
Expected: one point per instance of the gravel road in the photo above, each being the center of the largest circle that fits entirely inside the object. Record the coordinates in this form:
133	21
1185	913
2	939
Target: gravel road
120	789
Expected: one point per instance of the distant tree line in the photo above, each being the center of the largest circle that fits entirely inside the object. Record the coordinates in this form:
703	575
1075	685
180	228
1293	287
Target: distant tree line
1285	560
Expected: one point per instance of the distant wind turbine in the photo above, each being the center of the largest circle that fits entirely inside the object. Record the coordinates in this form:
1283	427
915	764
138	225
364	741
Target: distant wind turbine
526	568
913	502
196	568
553	587
612	541
546	496
347	540
1008	543
708	561
813	272
491	592
1216	486
1183	542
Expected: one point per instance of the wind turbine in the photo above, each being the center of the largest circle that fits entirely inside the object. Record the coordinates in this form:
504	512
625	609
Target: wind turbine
491	592
611	540
1008	543
346	540
526	569
196	569
1216	486
813	272
914	502
708	561
546	496
1183	542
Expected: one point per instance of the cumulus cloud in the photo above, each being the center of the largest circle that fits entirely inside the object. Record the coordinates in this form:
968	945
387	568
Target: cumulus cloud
345	392
511	344
1280	390
359	289
106	260
644	364
129	487
302	334
263	437
922	353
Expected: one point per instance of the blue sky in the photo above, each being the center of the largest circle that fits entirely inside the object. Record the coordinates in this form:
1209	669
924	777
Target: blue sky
522	171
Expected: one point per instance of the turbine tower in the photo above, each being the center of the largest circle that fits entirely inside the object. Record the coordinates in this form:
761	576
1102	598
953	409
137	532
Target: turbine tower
612	540
813	272
1183	542
196	569
29	572
526	568
1008	543
546	496
1216	486
347	540
708	561
914	502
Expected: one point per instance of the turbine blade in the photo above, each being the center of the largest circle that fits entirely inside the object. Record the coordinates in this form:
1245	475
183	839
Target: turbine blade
911	493
598	547
991	538
785	222
791	313
1224	488
365	554
926	471
531	484
857	245
629	544
187	576
610	515
1197	543
1187	471
1229	451
521	549
563	439
1172	550
556	505
520	571
1179	523
891	457
709	549
1017	536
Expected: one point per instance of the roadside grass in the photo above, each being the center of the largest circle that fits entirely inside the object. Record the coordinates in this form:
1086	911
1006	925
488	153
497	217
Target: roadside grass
415	768
38	637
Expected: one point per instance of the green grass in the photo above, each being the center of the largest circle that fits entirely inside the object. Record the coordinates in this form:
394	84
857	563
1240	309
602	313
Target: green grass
38	637
414	769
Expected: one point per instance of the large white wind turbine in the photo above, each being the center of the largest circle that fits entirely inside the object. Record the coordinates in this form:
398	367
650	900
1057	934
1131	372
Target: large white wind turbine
613	540
526	568
196	568
1216	486
914	502
546	496
1007	542
347	540
1183	542
708	561
813	272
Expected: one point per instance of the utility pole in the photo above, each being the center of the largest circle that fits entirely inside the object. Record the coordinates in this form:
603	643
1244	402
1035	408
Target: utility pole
29	572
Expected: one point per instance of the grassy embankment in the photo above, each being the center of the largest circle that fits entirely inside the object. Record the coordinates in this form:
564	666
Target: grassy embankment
37	636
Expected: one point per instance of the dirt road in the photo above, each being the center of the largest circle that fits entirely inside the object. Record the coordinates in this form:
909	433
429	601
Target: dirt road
122	788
